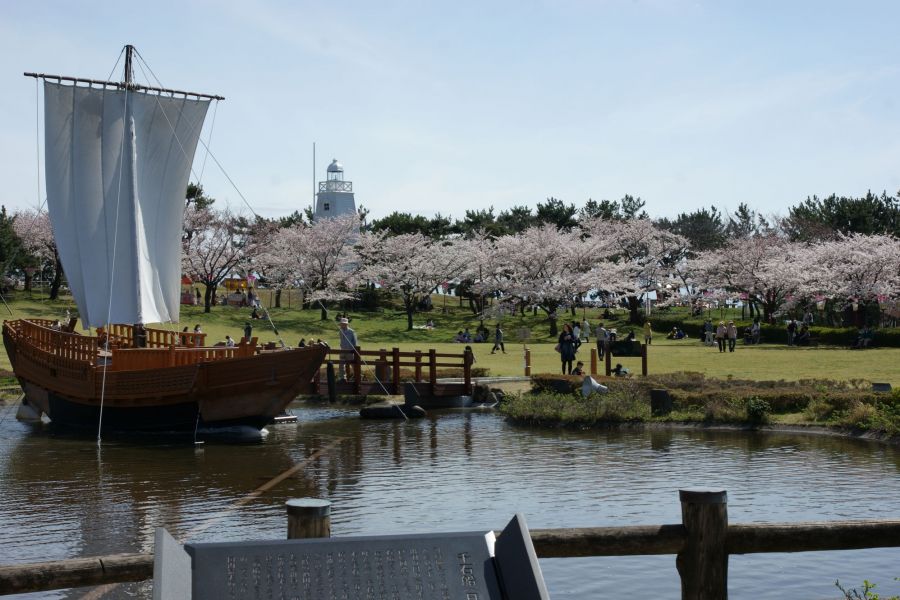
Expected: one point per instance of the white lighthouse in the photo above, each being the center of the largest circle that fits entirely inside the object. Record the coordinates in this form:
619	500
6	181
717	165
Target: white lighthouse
335	196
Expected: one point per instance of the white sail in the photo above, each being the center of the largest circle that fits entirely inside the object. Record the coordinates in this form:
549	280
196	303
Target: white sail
116	184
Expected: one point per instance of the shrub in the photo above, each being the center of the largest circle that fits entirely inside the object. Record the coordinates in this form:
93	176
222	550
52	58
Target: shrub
554	383
758	410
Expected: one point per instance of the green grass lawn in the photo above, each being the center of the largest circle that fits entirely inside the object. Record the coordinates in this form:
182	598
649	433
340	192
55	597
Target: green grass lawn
387	329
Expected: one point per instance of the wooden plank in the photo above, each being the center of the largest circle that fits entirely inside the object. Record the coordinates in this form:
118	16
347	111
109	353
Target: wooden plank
811	536
76	572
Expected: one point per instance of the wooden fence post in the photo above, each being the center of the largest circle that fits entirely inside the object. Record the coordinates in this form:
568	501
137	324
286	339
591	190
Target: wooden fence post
357	372
703	562
432	371
467	370
308	518
644	360
395	360
418	365
593	361
608	362
332	387
527	362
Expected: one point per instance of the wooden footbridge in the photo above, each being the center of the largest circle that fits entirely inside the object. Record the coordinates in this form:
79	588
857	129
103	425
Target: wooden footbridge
383	372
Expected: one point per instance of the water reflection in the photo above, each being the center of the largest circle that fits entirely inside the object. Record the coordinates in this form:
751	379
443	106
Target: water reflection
60	497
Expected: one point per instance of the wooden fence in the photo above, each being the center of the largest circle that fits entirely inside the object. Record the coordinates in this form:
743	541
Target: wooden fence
124	336
702	543
383	371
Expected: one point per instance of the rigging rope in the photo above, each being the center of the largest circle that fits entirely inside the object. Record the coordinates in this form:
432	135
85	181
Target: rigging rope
41	202
112	269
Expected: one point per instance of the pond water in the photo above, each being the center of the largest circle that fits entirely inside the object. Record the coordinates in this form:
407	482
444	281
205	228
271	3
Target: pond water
61	497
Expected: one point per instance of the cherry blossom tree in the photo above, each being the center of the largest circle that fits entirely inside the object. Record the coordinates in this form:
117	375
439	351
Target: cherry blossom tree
648	253
319	257
213	247
410	265
542	266
768	269
857	266
35	232
852	270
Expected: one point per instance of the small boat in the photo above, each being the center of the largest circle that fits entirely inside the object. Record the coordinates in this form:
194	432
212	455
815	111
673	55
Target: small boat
118	157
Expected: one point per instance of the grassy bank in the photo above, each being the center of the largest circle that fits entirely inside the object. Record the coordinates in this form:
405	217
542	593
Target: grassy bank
387	329
849	405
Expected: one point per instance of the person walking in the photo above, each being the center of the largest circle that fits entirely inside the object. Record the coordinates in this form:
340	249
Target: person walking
567	348
721	332
731	332
348	348
498	340
601	335
648	333
586	329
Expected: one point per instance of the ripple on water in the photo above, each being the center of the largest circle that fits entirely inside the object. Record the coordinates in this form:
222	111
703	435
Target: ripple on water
60	498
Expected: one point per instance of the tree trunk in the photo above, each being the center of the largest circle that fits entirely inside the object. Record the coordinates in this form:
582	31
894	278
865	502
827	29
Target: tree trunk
57	278
28	278
410	308
208	297
554	331
324	310
278	298
634	304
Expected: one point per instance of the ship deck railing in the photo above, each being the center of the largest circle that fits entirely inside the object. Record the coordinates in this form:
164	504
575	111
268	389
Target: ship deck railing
60	349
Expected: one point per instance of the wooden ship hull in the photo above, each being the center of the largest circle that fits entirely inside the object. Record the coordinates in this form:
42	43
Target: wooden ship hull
153	380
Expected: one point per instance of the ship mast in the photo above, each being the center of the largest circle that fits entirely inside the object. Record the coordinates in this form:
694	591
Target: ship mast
129	73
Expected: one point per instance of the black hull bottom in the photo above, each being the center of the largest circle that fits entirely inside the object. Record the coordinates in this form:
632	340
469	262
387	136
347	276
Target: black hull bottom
175	418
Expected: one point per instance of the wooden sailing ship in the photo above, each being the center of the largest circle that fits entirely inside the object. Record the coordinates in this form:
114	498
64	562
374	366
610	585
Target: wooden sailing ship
163	386
118	157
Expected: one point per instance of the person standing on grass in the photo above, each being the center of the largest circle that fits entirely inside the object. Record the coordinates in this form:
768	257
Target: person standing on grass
348	347
601	335
731	332
791	331
586	329
721	332
248	331
648	333
567	348
709	333
498	340
754	331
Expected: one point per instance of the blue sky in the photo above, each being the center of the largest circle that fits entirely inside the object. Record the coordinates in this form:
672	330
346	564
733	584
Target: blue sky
442	107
